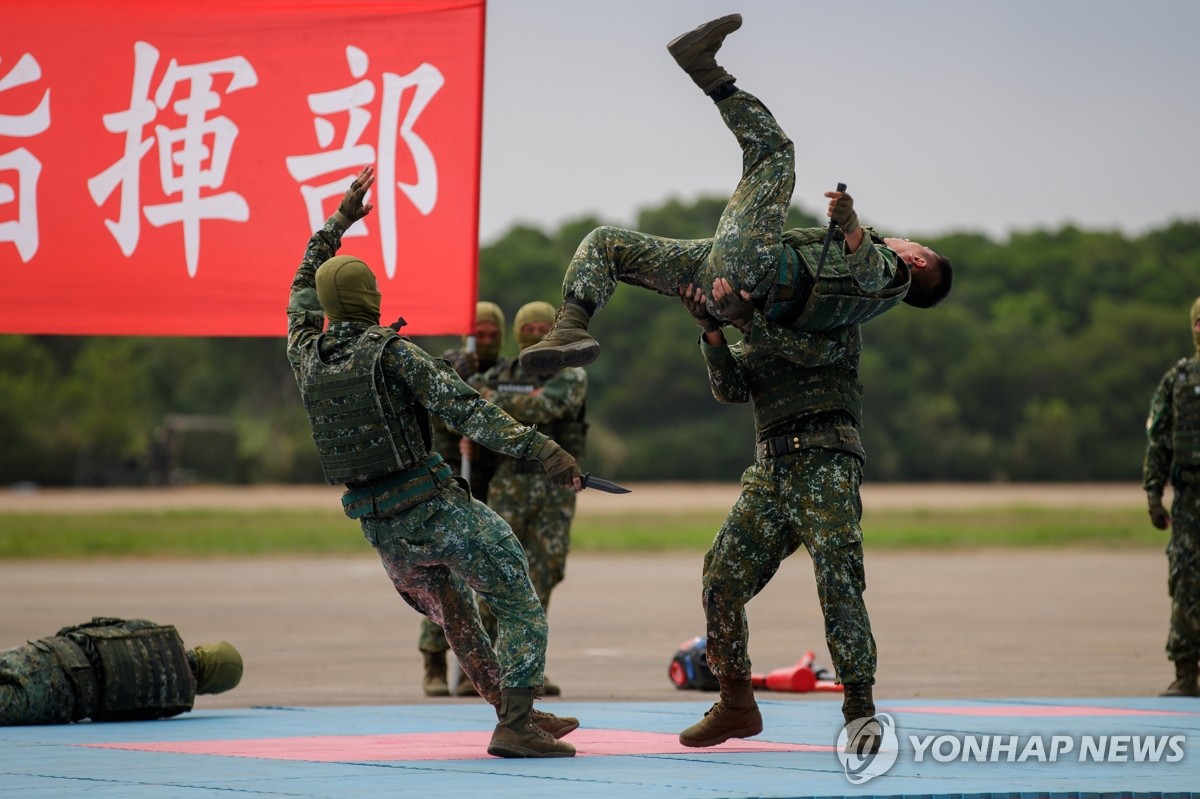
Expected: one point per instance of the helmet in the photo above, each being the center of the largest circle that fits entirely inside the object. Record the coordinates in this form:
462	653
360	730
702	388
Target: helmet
689	667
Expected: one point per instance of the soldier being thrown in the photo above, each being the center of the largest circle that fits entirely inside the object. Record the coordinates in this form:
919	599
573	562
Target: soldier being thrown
367	392
863	275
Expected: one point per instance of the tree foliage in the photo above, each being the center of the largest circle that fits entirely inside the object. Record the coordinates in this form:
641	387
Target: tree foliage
1039	366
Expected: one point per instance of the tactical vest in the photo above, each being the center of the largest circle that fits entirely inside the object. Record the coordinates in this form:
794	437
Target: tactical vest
836	300
1185	400
784	395
140	669
570	434
360	434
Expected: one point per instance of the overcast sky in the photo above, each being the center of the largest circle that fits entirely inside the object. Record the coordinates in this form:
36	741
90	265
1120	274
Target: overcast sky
940	115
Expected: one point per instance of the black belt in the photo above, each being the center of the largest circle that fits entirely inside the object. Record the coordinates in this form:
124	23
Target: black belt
840	437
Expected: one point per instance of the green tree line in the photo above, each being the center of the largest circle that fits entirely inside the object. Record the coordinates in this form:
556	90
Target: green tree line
1039	366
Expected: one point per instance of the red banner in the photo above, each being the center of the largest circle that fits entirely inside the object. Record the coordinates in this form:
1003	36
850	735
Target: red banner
162	164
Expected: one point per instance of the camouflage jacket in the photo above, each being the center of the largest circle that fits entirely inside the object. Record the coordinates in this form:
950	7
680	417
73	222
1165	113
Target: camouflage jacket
553	403
1174	413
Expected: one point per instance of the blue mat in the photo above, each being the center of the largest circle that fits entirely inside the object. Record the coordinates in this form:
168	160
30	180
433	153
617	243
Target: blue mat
1026	748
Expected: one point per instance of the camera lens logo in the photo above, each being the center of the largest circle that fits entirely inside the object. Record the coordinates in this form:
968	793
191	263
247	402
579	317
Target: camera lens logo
864	766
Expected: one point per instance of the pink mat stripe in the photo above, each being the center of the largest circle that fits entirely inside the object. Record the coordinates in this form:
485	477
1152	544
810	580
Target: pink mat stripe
1031	711
441	746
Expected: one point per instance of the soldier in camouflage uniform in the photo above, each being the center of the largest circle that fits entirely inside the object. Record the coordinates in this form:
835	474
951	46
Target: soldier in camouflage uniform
802	490
489	340
111	669
1173	454
368	393
539	512
863	276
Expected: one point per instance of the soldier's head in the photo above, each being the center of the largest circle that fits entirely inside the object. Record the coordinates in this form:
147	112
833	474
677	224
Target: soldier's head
347	290
218	667
533	322
489	332
1195	320
931	272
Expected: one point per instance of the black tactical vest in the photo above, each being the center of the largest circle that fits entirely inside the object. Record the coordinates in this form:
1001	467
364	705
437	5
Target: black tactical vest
1185	400
836	300
361	431
140	668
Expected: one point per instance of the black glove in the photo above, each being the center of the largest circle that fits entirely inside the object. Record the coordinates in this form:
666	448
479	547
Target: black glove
699	310
736	310
352	206
561	468
1158	514
842	213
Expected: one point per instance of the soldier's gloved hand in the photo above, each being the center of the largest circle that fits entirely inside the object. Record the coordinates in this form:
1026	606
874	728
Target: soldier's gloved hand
841	211
693	301
352	206
560	466
733	306
1158	514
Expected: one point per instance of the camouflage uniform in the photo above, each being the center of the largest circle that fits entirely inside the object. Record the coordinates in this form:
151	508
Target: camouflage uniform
1173	454
439	549
65	677
802	490
538	511
750	247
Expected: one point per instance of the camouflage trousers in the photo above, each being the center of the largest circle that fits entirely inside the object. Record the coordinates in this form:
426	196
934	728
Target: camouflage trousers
1183	574
748	243
808	499
441	550
34	689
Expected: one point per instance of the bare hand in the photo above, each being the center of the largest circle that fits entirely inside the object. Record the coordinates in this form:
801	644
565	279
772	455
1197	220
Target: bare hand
353	207
694	301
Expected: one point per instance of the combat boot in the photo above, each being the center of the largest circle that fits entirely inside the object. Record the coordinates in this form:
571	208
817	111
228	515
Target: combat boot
858	704
434	682
567	344
465	687
1187	679
695	52
557	726
517	735
734	716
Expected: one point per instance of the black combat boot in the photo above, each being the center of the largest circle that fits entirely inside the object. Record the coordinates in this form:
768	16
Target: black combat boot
518	735
695	52
858	704
1187	679
734	716
434	682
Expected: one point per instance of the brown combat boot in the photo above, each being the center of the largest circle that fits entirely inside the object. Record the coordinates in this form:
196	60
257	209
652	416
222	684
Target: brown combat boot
1187	679
695	52
858	705
567	344
434	682
735	716
517	735
465	687
558	726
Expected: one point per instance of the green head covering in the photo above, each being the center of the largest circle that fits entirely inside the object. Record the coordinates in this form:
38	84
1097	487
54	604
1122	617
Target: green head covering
1194	316
347	290
532	312
489	312
218	667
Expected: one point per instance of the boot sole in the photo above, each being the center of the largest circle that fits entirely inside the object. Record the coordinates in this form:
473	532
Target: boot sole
548	361
744	732
520	751
726	25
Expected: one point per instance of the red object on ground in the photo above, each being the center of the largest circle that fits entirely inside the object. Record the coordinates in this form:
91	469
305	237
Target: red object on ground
799	679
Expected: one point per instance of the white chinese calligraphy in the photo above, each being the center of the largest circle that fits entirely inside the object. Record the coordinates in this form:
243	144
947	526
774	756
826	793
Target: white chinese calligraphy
350	154
191	159
23	231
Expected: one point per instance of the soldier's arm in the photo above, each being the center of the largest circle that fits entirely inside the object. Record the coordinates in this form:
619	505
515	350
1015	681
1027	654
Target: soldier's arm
1160	424
874	267
726	376
561	397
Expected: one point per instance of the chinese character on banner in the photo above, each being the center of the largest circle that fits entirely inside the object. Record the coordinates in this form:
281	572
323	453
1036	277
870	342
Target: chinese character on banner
23	231
191	159
346	156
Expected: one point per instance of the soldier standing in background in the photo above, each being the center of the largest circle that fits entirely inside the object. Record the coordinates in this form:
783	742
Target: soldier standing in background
539	512
111	669
368	393
1173	455
489	340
